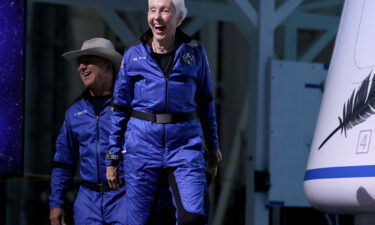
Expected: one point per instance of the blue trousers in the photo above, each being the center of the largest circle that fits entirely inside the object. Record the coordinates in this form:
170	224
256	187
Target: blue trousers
94	208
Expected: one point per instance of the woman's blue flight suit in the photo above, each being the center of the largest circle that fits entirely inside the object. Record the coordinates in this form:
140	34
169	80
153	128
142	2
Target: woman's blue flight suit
158	112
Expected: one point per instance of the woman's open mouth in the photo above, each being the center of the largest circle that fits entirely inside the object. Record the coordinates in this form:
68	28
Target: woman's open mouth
159	28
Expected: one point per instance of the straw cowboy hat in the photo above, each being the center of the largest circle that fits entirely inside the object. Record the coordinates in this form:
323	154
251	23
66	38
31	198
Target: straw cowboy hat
98	47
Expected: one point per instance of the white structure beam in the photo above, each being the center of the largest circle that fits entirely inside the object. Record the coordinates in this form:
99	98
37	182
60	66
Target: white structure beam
118	25
194	25
248	10
284	11
138	24
212	11
264	50
308	21
258	126
320	5
313	21
318	45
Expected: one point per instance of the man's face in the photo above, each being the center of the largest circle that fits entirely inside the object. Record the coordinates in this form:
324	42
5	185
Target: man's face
94	71
162	18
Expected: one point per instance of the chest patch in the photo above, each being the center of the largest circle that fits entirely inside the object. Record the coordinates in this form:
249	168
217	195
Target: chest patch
188	58
80	113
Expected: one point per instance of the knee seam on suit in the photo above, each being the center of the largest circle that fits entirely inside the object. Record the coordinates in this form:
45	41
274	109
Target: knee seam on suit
184	217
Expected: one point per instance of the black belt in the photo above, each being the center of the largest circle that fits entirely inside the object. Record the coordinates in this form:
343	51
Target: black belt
96	187
164	118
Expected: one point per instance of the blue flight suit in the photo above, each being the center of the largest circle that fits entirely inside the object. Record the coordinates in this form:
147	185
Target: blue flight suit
83	140
177	147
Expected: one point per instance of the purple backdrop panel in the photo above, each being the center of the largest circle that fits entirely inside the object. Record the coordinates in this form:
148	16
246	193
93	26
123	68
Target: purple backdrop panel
12	24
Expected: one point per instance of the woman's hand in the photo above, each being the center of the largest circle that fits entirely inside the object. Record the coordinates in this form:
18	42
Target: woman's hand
57	216
112	177
214	161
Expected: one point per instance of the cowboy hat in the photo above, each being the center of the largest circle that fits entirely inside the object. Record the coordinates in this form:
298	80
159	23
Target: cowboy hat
98	47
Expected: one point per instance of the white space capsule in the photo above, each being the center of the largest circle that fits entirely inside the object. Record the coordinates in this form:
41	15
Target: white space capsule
340	174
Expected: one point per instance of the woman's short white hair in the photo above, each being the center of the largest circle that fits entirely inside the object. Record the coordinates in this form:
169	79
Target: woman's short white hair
180	7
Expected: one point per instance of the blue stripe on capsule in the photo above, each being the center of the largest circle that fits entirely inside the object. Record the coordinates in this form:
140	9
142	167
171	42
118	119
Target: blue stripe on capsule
340	172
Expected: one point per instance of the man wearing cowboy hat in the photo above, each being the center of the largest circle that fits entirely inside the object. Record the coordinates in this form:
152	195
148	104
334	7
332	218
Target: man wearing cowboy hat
83	139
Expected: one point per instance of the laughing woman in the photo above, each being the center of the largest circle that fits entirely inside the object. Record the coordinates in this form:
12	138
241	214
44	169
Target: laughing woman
163	107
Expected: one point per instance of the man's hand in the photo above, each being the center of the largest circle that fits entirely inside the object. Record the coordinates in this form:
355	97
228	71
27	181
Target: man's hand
112	177
57	216
214	161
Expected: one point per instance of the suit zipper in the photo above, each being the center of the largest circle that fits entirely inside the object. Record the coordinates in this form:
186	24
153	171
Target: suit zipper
97	149
166	76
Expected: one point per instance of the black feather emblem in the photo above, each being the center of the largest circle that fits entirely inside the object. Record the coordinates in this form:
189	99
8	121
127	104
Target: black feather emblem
360	106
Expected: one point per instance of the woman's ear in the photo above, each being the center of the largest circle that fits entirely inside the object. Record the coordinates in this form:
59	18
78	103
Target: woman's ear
179	18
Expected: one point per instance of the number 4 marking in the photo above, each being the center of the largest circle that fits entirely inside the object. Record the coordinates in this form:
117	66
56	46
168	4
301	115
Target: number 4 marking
364	141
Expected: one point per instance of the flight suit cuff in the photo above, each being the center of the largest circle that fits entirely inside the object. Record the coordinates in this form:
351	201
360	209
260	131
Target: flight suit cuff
112	159
213	146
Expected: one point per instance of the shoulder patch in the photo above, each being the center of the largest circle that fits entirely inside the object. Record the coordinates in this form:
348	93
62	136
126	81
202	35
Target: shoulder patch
194	43
188	58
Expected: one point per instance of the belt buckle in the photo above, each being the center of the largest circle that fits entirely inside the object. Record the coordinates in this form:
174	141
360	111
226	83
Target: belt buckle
163	118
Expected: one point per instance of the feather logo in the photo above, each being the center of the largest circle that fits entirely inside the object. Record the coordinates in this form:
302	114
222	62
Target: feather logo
359	107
